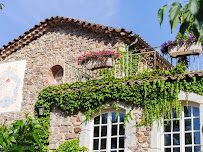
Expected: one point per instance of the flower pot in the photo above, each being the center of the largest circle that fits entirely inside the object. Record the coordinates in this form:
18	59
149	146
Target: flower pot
96	63
185	49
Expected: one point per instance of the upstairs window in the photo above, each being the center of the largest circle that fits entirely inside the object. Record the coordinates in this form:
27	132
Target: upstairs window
182	134
109	133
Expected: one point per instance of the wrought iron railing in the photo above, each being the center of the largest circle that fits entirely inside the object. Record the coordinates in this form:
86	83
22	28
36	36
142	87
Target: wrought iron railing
137	63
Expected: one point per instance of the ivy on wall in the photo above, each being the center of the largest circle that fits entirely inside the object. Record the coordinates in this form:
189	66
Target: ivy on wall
156	98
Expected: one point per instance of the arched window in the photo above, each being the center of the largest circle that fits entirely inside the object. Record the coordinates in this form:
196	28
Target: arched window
182	134
108	132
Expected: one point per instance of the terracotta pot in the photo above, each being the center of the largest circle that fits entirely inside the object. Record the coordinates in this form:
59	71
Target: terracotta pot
96	63
184	50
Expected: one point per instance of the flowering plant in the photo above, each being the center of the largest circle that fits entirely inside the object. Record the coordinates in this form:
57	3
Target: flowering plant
102	55
170	44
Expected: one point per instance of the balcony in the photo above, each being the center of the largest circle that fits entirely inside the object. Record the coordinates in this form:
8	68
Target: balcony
130	65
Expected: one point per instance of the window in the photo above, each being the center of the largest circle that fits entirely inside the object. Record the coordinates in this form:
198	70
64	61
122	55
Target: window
109	132
59	76
182	134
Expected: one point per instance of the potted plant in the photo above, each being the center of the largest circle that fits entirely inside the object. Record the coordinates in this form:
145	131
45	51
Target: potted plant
178	48
100	59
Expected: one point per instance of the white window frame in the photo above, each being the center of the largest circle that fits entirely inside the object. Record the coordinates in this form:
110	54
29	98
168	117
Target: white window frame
109	127
156	141
86	135
182	131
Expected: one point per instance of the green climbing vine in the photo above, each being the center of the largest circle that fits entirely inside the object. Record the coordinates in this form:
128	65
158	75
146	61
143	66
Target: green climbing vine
156	98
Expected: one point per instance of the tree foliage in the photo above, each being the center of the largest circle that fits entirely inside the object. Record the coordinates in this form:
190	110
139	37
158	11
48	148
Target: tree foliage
191	16
1	5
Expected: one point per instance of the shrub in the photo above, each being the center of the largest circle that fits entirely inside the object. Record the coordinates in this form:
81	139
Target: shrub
21	136
71	146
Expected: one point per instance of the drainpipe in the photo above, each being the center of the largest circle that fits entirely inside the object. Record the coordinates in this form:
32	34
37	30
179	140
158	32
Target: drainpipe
128	46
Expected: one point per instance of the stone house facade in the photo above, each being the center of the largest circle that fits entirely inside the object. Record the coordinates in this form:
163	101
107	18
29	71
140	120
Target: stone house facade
38	57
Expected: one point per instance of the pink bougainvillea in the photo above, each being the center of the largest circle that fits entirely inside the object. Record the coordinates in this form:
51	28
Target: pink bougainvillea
102	55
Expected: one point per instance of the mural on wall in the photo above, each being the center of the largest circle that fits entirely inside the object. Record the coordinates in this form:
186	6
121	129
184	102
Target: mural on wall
11	84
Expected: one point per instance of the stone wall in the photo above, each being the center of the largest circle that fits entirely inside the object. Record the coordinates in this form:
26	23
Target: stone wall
63	127
58	46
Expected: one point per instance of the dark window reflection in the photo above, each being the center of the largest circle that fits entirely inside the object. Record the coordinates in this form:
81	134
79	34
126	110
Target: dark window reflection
195	111
167	150
103	143
196	124
104	131
122	117
187	111
167	126
114	130
176	139
121	150
176	125
174	114
176	149
96	120
121	142
187	124
196	137
188	149
96	131
167	139
113	143
104	118
96	144
114	118
197	148
121	130
188	138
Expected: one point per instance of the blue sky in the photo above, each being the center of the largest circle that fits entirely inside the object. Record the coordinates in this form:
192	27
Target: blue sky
19	16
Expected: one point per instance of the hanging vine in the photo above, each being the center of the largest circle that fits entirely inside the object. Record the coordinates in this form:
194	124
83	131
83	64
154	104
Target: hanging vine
156	98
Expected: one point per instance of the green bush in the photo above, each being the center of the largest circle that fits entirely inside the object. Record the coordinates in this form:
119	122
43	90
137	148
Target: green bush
21	136
71	146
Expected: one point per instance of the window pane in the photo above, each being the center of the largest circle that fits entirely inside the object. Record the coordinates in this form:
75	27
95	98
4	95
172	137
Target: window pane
122	117
104	118
188	138
196	137
174	114
187	111
104	131
121	130
121	142
114	118
197	148
188	149
96	131
167	126
121	150
176	139
187	124
96	120
167	140
96	144
176	125
113	143
103	143
167	150
196	124
114	130
195	111
176	149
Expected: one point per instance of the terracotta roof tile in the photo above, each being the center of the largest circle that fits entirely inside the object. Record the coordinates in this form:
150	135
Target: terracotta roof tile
122	34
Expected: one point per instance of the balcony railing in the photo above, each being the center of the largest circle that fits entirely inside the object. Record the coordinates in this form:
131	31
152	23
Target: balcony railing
129	66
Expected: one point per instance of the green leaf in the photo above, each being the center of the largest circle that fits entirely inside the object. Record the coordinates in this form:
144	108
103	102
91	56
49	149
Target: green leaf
183	28
161	13
174	14
194	6
186	14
